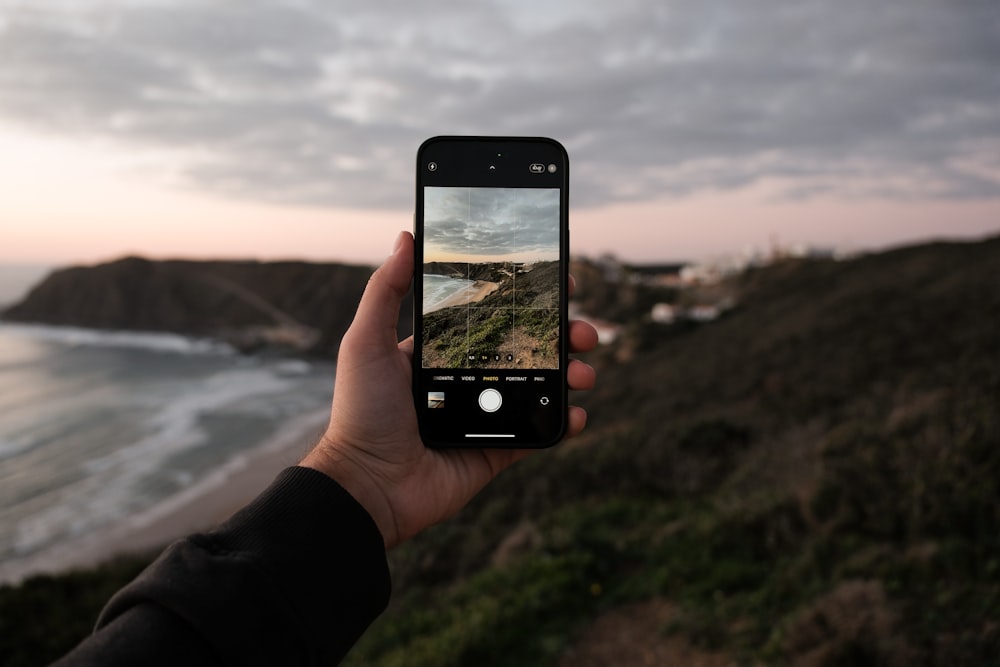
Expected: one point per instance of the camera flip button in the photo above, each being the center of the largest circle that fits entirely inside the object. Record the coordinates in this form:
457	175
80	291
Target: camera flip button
490	400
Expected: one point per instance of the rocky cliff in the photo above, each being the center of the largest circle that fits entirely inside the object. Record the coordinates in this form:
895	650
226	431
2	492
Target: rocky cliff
491	271
300	306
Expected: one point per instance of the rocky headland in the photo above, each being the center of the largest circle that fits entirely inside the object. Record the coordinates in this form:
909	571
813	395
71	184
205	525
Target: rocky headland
488	271
291	306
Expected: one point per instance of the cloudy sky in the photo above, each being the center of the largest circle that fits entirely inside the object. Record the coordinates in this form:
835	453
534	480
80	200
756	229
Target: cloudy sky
289	127
491	224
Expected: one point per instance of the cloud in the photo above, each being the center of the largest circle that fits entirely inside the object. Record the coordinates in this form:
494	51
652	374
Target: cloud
492	221
306	102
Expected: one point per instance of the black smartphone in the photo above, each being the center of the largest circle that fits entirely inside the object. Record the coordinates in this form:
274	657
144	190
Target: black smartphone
490	291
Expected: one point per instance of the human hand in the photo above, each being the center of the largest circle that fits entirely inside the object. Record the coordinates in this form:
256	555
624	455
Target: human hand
372	446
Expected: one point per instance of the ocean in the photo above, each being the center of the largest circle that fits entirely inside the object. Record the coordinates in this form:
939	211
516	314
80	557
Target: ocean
438	289
98	428
17	278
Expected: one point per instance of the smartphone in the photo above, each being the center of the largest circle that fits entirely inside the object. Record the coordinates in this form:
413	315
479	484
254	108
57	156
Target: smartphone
490	291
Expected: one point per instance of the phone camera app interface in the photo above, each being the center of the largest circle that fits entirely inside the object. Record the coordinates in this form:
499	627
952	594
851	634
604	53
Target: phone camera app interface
491	278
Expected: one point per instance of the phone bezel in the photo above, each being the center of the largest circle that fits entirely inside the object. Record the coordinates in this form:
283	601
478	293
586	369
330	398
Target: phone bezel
469	147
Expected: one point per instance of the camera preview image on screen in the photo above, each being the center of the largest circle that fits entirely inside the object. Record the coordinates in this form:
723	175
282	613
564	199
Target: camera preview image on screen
491	278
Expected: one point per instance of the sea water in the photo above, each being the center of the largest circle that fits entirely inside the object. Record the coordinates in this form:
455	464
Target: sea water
99	426
438	289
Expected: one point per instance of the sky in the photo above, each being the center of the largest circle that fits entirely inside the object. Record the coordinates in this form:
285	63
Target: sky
491	224
289	128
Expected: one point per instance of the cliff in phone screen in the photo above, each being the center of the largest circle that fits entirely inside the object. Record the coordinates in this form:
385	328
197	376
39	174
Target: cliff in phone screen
513	325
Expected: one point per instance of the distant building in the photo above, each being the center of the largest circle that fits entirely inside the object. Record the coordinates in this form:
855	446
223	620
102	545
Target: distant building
704	313
664	313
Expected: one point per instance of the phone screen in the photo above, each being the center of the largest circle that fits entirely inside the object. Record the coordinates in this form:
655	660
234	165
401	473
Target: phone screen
490	290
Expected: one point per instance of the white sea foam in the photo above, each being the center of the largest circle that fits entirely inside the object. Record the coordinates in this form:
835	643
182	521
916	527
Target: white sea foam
100	435
292	367
438	289
174	424
147	340
108	492
219	476
88	543
12	446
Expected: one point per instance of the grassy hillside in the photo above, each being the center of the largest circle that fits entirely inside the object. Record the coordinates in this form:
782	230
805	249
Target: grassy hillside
46	616
519	317
810	479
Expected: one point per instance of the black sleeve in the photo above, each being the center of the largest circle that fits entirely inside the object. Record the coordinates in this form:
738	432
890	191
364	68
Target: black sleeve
293	578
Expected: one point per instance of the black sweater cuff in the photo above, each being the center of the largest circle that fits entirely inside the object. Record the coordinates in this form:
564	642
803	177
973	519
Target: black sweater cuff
295	577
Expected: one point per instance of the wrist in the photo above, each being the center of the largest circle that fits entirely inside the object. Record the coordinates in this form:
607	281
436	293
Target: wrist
331	460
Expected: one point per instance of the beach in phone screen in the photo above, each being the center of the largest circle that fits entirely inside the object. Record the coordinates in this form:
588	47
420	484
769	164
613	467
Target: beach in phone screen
491	278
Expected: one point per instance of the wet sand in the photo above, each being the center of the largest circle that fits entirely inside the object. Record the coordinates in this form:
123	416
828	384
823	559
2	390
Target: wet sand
478	291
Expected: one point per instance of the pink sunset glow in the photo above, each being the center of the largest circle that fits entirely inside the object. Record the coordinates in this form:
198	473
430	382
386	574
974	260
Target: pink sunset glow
65	203
291	132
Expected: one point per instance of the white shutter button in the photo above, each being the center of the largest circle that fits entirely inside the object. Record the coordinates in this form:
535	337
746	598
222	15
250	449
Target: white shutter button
490	400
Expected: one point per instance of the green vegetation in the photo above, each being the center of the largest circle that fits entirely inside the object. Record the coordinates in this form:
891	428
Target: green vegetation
541	323
810	479
529	328
46	616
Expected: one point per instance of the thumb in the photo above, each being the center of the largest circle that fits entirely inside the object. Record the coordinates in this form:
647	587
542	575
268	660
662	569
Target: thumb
378	311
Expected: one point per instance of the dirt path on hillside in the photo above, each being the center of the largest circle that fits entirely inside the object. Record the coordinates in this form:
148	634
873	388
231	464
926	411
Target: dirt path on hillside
633	636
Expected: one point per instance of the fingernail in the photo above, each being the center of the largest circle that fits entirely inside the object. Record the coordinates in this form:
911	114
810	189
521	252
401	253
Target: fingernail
398	243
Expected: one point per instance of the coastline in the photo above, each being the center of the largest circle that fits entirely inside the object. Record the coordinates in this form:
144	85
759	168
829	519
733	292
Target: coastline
199	507
476	292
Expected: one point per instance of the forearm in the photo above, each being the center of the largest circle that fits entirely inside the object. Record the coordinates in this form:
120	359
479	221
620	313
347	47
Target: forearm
293	578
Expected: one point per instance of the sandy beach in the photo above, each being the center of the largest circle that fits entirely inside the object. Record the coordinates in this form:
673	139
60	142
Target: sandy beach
478	291
197	508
